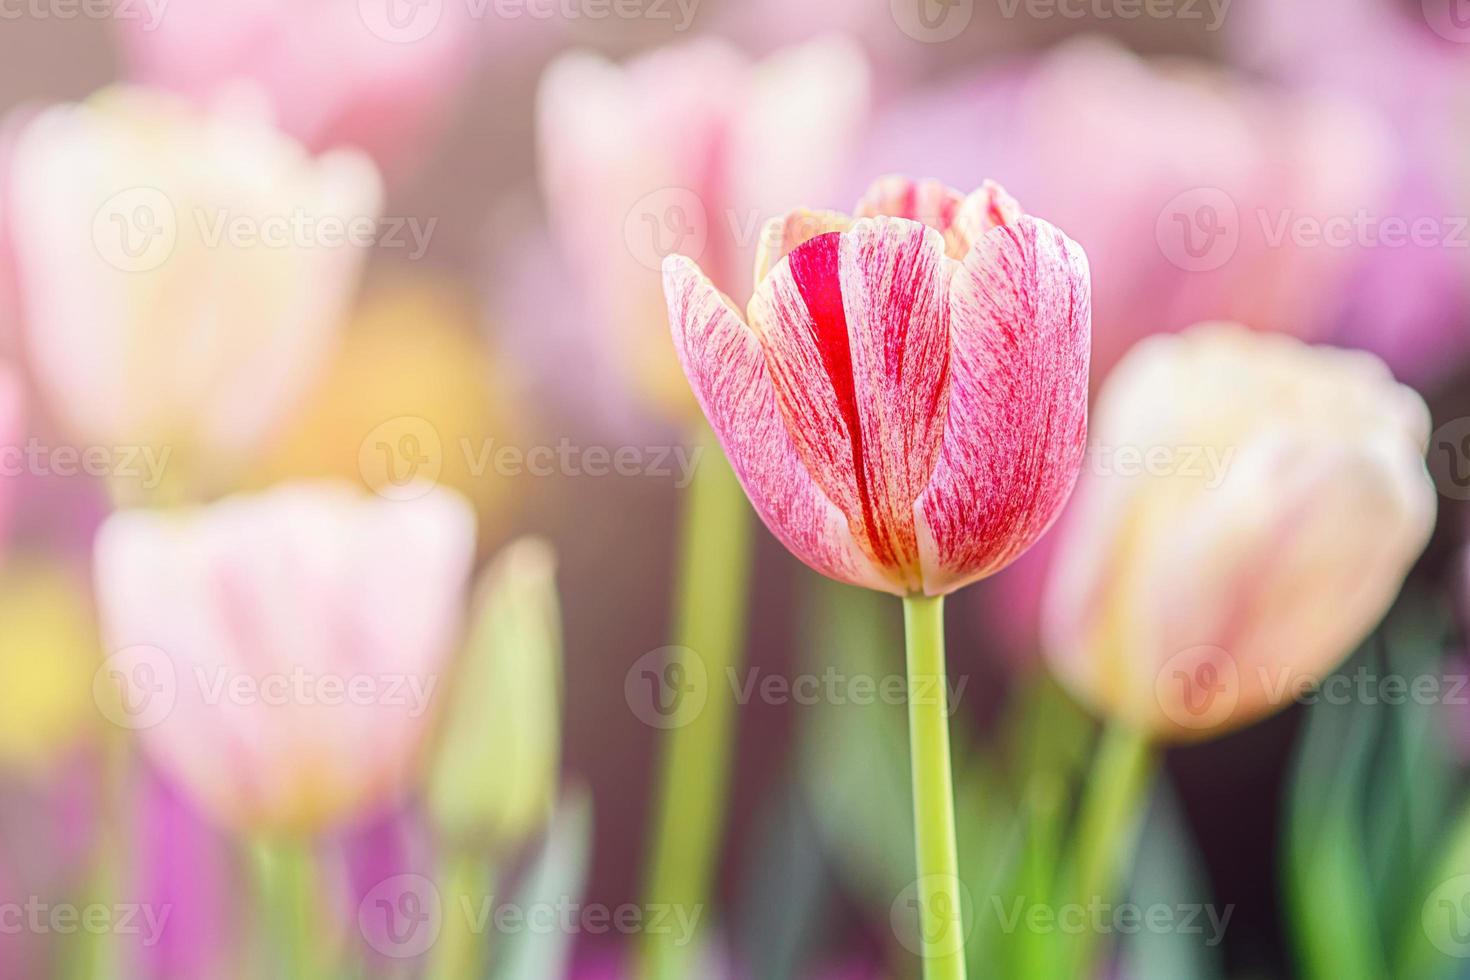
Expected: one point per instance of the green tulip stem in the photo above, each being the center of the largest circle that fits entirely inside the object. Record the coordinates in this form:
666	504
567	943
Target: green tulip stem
939	896
713	579
287	902
466	881
1108	822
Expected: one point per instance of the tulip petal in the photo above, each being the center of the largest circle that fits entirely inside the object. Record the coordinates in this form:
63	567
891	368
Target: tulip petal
962	220
1017	422
855	328
781	235
727	369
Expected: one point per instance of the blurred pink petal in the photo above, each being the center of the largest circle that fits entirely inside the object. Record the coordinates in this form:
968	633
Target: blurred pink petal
143	327
1173	176
338	74
1406	303
687	149
279	652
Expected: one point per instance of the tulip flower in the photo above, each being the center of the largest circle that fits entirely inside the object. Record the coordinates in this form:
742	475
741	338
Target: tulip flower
1276	497
906	401
387	84
183	274
905	404
278	654
686	149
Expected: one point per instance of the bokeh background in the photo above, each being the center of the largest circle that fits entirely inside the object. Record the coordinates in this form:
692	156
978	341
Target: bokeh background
1299	167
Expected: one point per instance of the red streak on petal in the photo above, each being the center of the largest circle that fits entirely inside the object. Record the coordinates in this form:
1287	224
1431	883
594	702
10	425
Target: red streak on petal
814	268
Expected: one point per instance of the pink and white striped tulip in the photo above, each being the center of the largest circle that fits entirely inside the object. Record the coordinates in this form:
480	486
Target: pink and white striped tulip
1277	497
906	401
278	653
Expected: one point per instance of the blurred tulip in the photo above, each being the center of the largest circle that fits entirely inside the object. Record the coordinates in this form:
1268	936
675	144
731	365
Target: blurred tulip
495	772
48	654
182	274
687	149
1249	511
1406	302
1195	181
338	74
278	653
411	395
907	407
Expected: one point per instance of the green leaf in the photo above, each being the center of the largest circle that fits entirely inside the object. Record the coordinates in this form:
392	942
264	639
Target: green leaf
558	876
493	778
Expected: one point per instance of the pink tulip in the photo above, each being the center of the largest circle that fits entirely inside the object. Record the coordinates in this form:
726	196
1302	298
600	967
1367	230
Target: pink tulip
337	74
278	654
906	403
687	149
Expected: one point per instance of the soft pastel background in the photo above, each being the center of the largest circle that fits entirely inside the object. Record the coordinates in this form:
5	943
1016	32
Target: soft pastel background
546	190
